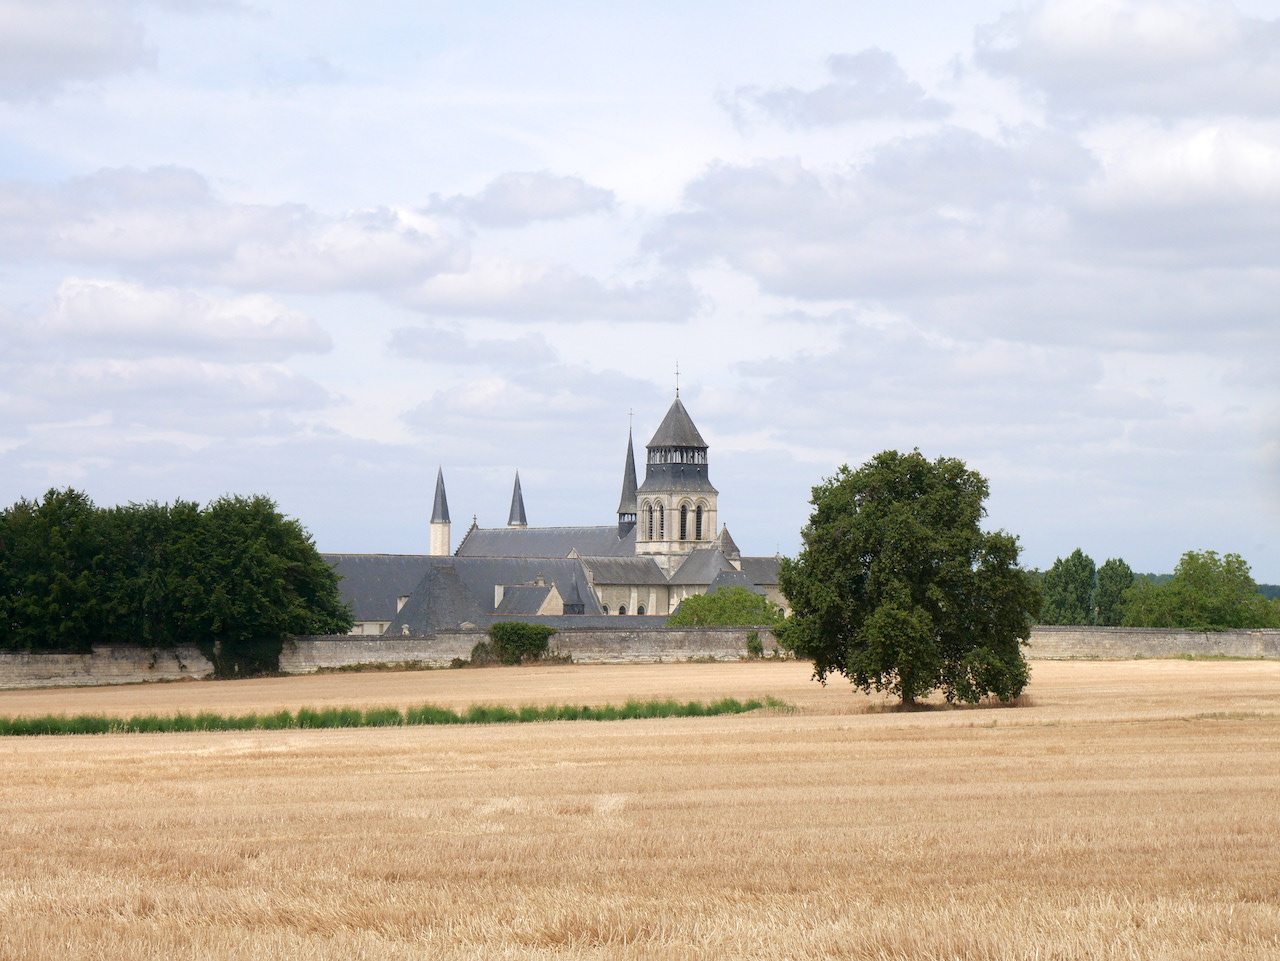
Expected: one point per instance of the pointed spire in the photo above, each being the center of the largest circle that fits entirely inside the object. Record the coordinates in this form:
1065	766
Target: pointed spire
627	505
677	430
517	518
440	527
440	510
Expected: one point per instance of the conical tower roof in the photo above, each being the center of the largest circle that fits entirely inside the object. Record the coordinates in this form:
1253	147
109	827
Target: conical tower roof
516	518
627	503
726	545
677	430
440	510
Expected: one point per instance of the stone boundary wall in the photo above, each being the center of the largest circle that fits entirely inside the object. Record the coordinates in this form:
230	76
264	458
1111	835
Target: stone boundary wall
305	655
106	665
586	646
1111	643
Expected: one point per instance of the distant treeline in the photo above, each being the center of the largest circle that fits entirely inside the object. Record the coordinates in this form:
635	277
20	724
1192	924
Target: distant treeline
235	578
1206	592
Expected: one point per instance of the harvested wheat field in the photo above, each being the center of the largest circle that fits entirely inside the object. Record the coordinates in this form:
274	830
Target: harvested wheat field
1126	810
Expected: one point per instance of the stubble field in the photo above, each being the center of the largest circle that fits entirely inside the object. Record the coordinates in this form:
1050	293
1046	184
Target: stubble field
1127	810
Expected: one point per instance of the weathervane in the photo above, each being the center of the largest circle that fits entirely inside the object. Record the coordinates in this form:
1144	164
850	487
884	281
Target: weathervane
677	378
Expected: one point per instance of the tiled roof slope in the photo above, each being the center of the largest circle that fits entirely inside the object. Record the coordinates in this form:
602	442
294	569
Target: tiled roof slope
677	430
546	542
373	583
701	567
455	590
624	570
761	570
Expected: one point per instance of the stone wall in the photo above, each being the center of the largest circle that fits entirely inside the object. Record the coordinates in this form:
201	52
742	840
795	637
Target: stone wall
106	665
304	655
1103	643
586	646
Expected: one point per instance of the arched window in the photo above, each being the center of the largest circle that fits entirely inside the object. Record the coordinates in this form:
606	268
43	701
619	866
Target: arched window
605	608
684	522
622	609
697	524
640	610
662	523
649	514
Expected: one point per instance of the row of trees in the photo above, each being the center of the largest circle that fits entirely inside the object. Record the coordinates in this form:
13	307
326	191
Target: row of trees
235	578
1206	592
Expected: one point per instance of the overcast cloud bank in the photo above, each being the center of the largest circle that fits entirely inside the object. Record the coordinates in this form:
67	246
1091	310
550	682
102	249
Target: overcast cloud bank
1044	238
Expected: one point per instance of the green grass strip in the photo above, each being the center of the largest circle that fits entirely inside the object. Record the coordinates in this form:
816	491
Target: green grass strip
350	717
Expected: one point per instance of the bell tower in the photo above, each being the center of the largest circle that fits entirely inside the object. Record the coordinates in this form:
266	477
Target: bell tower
676	504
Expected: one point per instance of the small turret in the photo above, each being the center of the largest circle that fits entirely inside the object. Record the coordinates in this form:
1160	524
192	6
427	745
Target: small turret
627	504
440	519
516	518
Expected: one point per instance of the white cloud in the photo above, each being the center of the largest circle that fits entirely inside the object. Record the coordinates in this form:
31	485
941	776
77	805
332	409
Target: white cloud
118	319
524	291
441	346
166	224
46	44
1169	58
947	210
870	84
520	199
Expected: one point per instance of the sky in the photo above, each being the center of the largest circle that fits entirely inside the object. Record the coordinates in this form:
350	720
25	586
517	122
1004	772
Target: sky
317	250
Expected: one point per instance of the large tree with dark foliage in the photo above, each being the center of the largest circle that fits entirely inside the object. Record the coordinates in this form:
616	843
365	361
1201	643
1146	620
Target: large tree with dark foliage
236	578
1114	578
1067	590
899	589
1206	593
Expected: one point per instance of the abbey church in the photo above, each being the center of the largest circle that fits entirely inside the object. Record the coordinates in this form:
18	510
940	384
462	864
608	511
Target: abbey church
665	546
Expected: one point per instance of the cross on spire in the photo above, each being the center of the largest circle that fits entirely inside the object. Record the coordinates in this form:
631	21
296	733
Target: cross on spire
677	378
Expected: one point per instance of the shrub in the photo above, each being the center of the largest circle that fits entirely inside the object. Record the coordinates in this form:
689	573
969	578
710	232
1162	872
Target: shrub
515	641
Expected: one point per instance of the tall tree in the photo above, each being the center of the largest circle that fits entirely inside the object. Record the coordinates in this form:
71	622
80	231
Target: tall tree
1114	578
268	582
52	573
1206	593
1068	590
899	589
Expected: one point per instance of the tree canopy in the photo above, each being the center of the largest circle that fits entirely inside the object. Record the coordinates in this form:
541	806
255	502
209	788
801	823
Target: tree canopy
728	607
898	588
1115	577
1206	593
236	578
1067	590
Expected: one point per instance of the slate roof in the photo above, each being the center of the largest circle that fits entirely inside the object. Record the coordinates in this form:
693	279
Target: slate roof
679	477
440	601
440	509
624	570
726	544
373	583
627	503
546	542
677	430
523	601
457	590
516	517
733	579
701	567
761	570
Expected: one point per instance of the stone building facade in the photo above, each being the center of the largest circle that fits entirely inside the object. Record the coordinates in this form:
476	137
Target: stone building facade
666	545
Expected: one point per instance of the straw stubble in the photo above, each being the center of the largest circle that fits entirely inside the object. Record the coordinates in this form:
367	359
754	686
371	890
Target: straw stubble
1128	811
